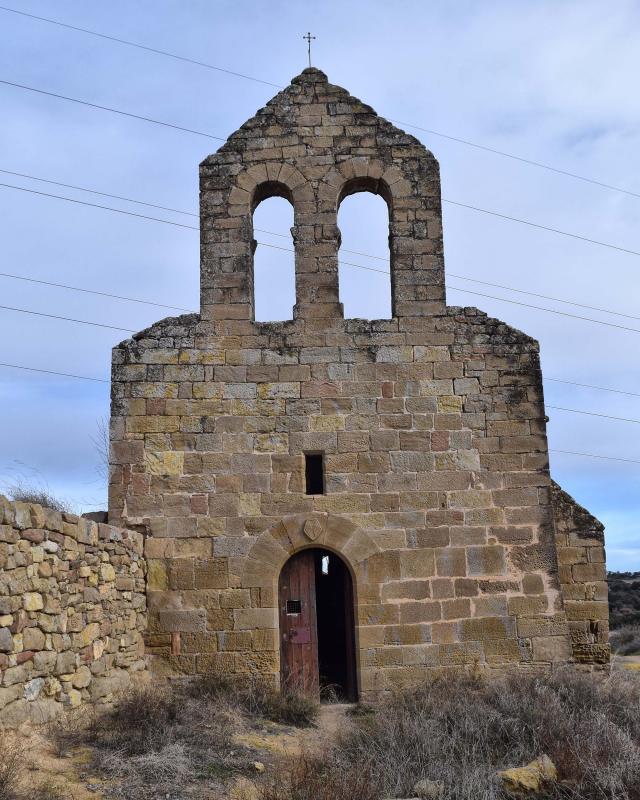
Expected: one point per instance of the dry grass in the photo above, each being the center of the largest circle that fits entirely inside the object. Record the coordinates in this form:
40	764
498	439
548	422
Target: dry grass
455	730
460	731
10	768
50	791
157	741
24	491
308	778
625	641
257	699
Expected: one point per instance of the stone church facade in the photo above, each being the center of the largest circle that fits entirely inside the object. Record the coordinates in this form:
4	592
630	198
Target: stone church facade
349	501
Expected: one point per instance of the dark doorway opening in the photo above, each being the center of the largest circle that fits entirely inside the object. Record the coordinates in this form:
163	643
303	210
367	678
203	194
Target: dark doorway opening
317	639
334	608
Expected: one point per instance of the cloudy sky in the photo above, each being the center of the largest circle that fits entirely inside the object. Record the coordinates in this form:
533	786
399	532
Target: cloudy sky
550	82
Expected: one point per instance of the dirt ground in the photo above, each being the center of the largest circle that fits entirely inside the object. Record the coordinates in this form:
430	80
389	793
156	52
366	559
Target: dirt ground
268	743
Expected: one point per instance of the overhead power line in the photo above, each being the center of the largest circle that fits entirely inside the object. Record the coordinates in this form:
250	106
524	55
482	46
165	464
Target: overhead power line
96	205
104	380
431	131
542	308
342	262
542	227
468	206
595	414
287	236
67	319
111	110
102	194
591	386
84	322
543	296
140	46
92	291
52	372
593	455
514	157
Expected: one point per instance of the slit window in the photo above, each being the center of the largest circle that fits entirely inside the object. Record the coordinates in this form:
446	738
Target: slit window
294	606
325	565
314	473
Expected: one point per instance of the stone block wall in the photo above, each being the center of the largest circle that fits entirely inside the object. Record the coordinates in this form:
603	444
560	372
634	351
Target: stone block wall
583	577
72	611
432	426
437	489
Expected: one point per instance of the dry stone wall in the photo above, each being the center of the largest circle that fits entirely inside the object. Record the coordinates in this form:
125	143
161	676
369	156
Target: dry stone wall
72	611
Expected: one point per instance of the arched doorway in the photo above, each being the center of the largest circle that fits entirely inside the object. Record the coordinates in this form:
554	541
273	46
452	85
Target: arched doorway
317	640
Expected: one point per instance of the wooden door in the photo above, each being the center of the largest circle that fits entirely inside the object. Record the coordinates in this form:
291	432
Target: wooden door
298	625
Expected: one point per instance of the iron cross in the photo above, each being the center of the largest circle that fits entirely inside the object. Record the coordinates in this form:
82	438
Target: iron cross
309	37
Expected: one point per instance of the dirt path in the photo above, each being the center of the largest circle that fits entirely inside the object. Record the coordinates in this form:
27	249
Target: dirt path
66	773
274	743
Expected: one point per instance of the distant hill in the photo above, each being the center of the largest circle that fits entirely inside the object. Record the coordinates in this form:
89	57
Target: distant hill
624	598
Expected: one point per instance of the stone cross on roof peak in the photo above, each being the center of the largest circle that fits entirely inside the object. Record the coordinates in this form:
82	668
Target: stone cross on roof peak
309	37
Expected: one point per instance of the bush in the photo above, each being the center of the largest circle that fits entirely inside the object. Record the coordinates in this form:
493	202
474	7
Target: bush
10	768
461	731
49	791
144	721
625	641
156	740
24	492
254	696
321	779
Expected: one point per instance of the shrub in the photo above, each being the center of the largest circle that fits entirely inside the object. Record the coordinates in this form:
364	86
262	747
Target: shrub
156	739
24	492
10	768
256	698
49	791
460	731
625	641
144	721
309	778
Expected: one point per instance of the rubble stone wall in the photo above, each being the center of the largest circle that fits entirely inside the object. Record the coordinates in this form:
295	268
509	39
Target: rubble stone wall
72	611
583	577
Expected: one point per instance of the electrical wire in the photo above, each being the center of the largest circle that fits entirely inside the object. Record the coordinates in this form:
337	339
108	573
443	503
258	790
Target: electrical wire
431	131
92	291
345	263
593	455
52	372
591	386
66	319
140	46
112	110
594	414
287	236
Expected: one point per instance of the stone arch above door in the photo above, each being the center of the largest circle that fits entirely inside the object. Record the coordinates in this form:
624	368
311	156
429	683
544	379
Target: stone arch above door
298	532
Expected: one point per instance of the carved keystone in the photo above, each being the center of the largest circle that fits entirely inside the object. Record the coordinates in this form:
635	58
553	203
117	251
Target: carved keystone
312	528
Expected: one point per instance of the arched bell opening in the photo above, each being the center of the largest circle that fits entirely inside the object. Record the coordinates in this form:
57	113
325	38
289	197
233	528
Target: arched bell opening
364	221
274	271
317	625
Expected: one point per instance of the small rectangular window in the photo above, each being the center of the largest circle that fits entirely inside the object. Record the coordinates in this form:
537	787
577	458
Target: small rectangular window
294	606
314	473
